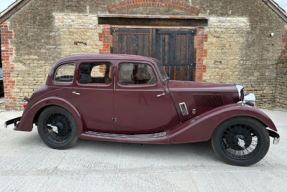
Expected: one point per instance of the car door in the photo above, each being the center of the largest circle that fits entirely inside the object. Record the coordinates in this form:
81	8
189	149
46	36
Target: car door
141	104
94	95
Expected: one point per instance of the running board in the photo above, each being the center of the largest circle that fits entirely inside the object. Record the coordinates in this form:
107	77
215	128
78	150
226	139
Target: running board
156	138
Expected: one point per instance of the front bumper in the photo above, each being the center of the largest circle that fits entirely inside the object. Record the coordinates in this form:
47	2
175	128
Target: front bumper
12	121
275	135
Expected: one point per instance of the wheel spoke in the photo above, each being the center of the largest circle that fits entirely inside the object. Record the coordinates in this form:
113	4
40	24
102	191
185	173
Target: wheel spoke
60	123
238	135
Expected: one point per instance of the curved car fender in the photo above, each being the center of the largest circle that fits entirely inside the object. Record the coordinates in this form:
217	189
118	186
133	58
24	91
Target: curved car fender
201	128
26	122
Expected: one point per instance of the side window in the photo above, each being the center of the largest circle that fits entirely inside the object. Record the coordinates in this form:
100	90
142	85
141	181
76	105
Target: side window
98	71
65	73
135	74
95	73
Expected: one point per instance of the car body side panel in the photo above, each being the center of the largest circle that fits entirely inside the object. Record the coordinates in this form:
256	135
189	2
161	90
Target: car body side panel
183	91
201	127
26	123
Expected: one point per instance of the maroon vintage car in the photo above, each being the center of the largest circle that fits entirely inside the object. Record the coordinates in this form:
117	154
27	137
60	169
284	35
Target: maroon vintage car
127	98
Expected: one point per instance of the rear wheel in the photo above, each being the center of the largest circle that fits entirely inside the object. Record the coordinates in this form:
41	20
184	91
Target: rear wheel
57	128
241	141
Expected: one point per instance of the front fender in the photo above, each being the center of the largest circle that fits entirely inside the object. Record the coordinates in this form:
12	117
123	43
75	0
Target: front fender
26	123
201	127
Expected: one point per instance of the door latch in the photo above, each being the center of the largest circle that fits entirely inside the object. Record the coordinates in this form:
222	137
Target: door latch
161	95
74	92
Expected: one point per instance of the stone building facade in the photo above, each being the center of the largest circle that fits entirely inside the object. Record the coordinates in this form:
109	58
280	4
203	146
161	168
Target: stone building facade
236	41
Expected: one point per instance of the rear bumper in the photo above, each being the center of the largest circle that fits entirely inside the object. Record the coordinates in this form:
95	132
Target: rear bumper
14	121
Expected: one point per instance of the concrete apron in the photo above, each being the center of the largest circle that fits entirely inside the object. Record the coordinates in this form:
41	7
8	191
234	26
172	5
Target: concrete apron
27	163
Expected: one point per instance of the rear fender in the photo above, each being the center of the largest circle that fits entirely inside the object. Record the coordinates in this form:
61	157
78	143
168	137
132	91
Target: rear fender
201	127
26	123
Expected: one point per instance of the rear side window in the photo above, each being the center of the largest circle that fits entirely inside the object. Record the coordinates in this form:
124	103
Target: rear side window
65	73
95	73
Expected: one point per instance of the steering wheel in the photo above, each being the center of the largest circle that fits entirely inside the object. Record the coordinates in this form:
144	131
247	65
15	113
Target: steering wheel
151	79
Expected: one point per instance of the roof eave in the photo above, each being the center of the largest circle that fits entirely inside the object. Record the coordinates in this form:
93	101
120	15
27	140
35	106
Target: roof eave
18	4
12	9
275	7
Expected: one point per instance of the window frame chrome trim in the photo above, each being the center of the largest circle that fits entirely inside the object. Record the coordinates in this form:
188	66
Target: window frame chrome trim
60	66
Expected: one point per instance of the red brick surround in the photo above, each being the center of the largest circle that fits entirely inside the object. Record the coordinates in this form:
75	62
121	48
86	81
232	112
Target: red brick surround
129	4
284	51
105	37
8	68
200	38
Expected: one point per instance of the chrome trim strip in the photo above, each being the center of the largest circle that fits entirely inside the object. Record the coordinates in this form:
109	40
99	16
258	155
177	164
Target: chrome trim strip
239	87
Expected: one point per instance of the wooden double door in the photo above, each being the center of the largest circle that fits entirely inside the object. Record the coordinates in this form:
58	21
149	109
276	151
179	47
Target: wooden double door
173	47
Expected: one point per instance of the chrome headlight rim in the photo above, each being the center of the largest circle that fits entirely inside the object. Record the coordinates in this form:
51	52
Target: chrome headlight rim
250	98
240	90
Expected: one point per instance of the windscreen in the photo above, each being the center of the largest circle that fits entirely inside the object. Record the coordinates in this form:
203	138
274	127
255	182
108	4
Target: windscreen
162	71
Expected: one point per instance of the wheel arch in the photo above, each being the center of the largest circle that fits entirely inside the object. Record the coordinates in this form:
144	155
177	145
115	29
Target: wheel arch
201	128
243	116
32	115
37	115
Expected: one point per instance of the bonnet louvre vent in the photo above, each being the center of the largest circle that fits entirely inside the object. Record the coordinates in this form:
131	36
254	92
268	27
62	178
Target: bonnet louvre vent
208	100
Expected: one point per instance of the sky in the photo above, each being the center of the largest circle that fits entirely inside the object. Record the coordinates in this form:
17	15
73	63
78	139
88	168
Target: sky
5	3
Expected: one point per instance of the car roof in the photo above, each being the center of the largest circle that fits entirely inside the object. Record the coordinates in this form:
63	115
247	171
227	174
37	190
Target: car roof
105	56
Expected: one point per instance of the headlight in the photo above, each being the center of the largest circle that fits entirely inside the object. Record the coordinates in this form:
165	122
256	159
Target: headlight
245	99
250	99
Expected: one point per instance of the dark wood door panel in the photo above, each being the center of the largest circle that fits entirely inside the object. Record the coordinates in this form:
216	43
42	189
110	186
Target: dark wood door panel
132	41
174	48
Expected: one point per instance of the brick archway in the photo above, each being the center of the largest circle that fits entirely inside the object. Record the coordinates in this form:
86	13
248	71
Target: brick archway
129	4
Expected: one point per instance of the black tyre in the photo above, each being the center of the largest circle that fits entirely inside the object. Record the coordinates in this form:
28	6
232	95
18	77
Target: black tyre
241	141
57	128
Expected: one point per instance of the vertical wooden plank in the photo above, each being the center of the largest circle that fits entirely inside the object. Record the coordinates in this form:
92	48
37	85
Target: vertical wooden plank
135	45
172	55
184	57
189	58
146	44
176	57
163	50
121	43
141	44
154	42
115	39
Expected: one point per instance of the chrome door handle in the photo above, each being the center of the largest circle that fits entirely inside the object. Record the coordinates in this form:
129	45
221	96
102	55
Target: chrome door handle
74	92
161	95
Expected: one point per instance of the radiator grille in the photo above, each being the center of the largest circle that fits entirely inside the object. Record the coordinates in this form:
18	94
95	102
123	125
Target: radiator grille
213	100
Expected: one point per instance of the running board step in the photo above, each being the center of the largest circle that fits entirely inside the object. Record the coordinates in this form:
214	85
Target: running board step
127	136
154	138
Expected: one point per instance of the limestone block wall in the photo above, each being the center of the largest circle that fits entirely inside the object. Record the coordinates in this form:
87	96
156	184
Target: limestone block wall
235	47
79	33
281	88
225	47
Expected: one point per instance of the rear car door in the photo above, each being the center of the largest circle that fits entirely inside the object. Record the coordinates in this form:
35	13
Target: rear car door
94	94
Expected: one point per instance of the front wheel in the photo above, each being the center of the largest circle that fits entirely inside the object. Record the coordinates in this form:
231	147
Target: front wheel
57	128
241	141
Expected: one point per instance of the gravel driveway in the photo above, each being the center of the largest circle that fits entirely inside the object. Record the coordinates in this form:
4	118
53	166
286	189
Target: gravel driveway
27	164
